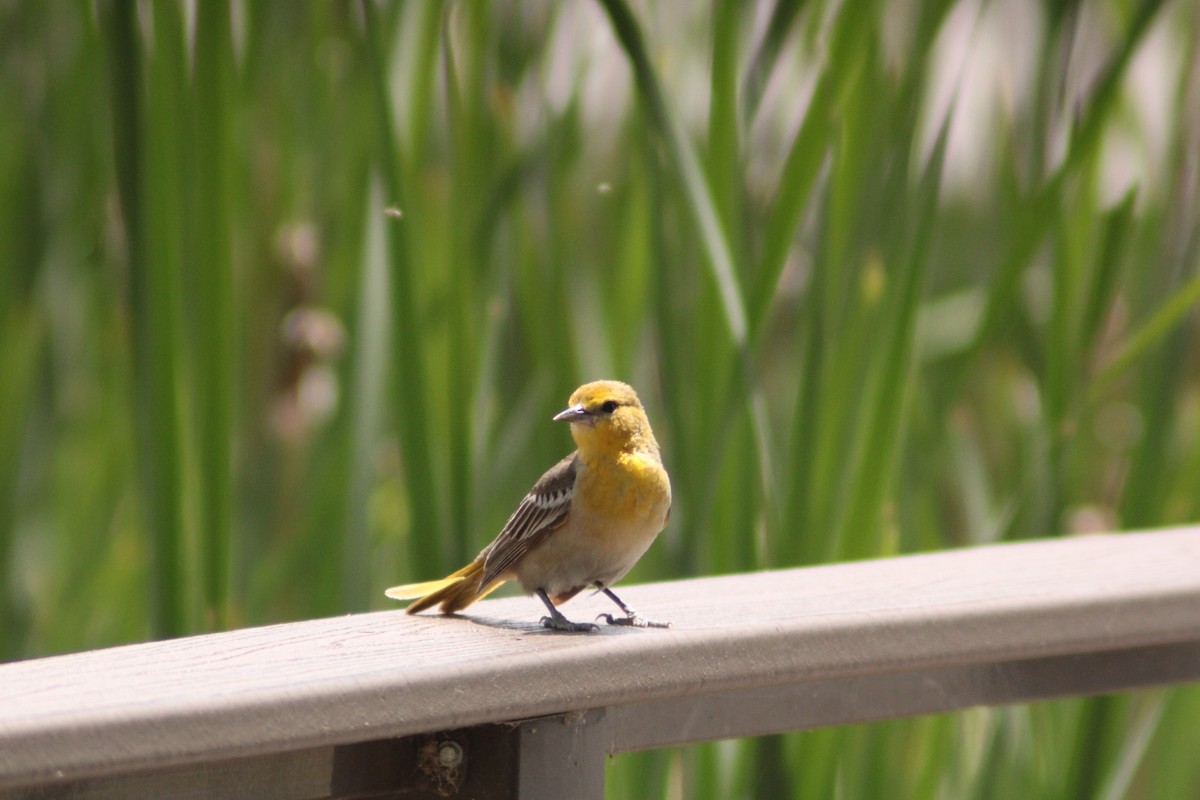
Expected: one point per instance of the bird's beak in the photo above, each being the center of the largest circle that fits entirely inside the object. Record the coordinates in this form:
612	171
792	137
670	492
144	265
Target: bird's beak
576	413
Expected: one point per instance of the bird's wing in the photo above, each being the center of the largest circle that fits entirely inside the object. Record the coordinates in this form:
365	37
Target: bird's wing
542	511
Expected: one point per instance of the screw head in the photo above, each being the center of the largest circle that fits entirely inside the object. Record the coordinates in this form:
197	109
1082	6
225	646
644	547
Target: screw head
450	755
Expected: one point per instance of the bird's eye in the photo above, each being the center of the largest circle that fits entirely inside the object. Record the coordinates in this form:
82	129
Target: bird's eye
609	406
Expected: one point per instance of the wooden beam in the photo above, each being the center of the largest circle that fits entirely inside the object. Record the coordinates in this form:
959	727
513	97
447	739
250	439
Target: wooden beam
750	654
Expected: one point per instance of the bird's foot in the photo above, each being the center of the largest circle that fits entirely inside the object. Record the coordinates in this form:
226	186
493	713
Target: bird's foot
561	623
634	621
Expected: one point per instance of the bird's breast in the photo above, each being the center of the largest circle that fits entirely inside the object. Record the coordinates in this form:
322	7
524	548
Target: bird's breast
632	492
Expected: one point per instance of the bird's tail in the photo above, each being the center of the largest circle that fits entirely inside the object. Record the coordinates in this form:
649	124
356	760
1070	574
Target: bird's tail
454	592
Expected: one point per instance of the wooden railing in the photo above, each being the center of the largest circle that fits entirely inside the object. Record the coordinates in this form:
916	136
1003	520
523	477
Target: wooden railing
489	705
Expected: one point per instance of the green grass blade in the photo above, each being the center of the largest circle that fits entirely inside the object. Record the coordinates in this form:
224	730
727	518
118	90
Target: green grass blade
763	62
700	203
875	457
23	337
410	386
212	262
147	134
369	374
808	152
724	153
1152	332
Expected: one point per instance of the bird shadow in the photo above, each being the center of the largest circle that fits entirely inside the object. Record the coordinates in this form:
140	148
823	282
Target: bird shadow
537	629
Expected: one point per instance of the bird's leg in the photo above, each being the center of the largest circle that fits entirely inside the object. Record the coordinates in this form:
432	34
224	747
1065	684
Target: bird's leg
556	621
631	618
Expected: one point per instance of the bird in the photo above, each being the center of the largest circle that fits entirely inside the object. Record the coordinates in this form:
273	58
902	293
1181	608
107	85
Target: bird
585	522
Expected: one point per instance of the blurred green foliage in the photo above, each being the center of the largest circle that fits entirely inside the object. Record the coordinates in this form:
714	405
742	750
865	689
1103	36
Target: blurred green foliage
288	293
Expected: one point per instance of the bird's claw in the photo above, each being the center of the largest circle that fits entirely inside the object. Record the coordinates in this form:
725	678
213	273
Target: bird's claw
633	621
564	624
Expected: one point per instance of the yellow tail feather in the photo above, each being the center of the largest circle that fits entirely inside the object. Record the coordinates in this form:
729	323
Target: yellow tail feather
412	591
454	592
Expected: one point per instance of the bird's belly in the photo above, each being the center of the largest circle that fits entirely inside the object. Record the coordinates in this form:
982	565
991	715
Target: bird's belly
564	565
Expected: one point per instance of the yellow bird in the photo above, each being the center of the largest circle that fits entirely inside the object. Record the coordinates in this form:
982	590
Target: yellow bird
585	523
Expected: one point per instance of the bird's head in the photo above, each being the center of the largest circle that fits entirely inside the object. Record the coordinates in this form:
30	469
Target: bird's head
607	413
